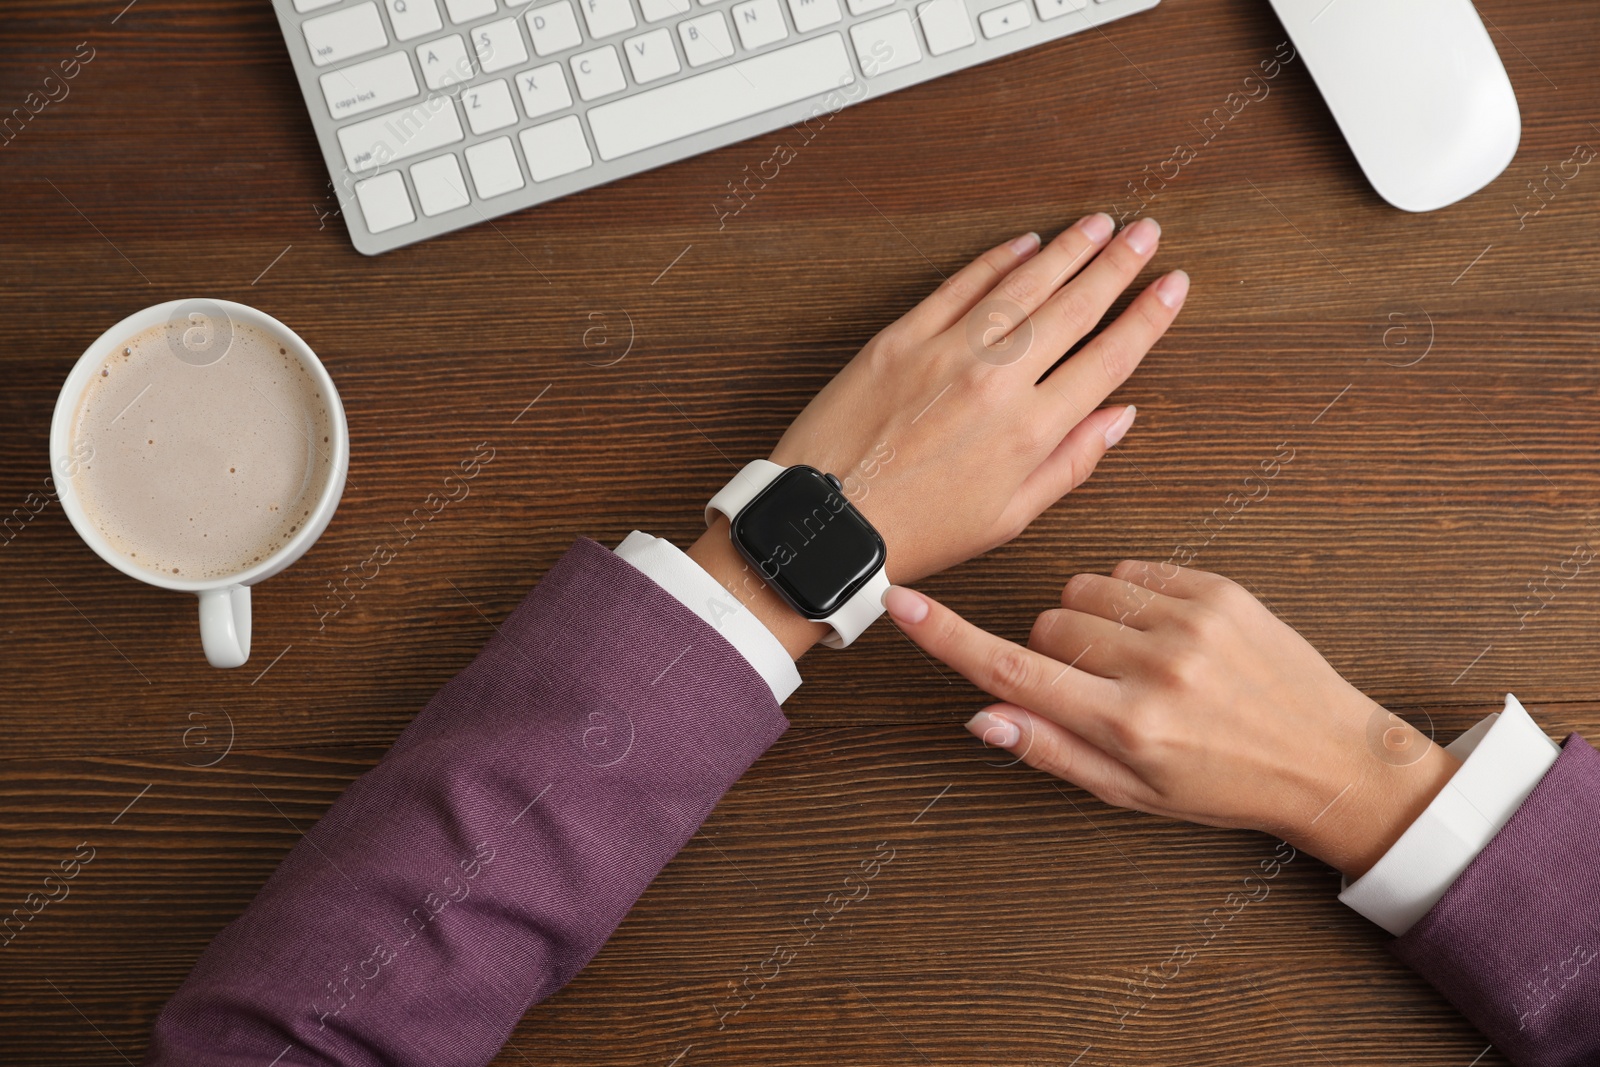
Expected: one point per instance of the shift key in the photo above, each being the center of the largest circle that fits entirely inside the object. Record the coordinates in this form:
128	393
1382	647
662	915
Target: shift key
374	143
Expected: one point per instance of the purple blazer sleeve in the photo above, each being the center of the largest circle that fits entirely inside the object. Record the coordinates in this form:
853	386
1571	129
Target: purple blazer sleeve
1515	941
494	848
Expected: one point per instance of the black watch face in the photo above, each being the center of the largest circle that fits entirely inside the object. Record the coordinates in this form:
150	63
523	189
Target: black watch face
808	542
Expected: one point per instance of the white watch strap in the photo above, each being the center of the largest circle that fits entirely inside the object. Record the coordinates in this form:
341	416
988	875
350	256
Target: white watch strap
731	498
857	613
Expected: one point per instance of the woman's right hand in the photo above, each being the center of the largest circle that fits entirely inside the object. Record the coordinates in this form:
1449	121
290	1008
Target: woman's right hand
954	427
1176	692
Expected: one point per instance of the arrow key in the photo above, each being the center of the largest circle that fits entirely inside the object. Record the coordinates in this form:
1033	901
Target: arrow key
1004	20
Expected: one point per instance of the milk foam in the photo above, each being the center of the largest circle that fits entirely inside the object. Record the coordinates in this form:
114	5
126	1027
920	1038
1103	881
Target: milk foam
200	472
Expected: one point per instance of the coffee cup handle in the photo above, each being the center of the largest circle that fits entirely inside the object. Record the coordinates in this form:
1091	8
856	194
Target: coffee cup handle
225	625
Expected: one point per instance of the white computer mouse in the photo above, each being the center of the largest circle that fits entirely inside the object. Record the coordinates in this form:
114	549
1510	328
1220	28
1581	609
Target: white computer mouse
1417	89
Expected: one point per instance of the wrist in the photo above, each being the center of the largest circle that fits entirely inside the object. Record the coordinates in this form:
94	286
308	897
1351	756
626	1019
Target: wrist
1392	785
716	554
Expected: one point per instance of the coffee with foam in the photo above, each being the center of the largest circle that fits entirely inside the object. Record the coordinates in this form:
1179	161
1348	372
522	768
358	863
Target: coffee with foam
201	471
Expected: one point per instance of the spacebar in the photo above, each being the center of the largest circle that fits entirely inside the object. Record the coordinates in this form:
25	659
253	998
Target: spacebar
727	94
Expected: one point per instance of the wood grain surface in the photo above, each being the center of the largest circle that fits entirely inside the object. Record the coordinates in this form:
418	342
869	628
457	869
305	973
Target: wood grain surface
1434	376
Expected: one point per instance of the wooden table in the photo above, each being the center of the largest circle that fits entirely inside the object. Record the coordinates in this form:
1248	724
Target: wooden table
1432	374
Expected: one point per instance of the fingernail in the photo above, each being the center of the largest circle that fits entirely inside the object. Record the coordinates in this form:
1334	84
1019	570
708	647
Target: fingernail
905	605
996	731
1142	235
1097	227
1118	429
1025	244
1171	289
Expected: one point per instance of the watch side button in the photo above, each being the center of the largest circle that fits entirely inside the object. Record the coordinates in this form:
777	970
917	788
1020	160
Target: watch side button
833	480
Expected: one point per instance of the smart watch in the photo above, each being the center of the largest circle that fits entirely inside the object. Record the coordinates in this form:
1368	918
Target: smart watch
810	544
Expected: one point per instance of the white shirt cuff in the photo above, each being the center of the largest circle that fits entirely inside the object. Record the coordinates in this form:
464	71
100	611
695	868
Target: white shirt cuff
665	564
1503	758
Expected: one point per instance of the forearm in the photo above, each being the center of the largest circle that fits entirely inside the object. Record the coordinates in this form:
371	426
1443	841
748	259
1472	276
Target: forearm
950	444
495	847
1515	941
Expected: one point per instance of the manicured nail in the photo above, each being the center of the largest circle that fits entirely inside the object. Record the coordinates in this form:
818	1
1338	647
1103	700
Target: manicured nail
1142	235
996	731
1171	289
1025	245
1118	429
1097	227
905	605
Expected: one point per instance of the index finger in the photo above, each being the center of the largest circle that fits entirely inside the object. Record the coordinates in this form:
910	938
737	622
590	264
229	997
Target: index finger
1099	368
1074	698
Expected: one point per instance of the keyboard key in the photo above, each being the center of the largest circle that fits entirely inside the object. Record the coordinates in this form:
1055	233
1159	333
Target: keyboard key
375	83
1004	20
494	167
651	55
706	39
303	6
606	17
424	126
1049	9
544	90
344	34
598	73
705	101
813	14
760	22
885	44
554	28
861	7
656	10
384	203
556	148
467	10
440	186
499	45
413	18
444	62
488	106
945	25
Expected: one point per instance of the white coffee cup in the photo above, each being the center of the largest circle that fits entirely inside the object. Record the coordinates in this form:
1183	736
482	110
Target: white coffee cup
225	601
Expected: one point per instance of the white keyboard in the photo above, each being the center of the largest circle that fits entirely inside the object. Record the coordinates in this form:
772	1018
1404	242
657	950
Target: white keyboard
439	114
